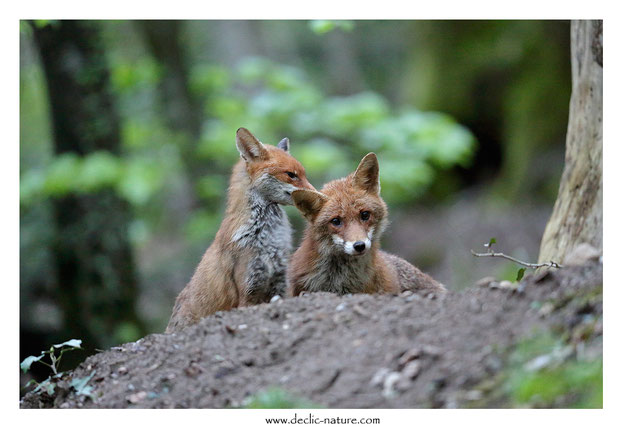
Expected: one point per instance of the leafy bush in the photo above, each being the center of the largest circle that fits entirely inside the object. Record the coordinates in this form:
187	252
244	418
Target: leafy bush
330	135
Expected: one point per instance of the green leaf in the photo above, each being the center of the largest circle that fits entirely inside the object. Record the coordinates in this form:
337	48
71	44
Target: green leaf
69	343
520	273
49	387
322	26
80	385
26	363
46	385
491	243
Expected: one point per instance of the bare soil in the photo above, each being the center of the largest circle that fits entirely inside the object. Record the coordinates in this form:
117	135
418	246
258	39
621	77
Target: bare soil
359	351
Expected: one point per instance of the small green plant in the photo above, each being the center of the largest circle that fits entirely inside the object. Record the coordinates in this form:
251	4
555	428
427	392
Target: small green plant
277	398
544	373
54	355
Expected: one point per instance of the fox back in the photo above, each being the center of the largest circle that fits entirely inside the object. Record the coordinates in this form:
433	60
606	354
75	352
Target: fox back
340	251
246	263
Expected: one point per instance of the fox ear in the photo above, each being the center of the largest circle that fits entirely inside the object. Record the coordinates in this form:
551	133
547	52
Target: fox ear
250	148
284	144
308	202
366	176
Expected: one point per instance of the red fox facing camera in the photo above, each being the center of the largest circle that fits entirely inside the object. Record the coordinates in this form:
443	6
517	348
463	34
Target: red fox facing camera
246	262
340	251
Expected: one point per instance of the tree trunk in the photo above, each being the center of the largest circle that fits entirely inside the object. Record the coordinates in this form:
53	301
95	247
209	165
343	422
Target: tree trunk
578	212
97	285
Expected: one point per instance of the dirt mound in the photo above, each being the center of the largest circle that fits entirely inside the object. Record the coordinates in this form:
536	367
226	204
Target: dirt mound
342	352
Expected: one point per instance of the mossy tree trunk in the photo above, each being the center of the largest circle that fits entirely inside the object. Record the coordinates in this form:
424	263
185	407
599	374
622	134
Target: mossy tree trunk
578	211
97	284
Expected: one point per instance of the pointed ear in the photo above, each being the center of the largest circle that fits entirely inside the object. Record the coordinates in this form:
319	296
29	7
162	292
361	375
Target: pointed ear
308	202
366	176
284	144
250	148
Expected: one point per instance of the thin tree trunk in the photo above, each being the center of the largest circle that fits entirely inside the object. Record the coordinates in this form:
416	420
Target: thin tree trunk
97	286
578	211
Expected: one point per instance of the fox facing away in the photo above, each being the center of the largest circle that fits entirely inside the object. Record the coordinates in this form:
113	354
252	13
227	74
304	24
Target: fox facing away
340	249
246	263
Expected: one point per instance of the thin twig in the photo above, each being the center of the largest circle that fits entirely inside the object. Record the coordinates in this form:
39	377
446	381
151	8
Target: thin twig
527	264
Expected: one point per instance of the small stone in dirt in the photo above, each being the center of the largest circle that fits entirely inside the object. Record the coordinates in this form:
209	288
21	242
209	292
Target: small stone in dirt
538	363
379	377
389	384
230	329
135	398
122	370
413	297
403	384
340	307
485	281
431	350
275	298
409	355
360	311
406	293
243	326
506	284
473	395
193	369
412	369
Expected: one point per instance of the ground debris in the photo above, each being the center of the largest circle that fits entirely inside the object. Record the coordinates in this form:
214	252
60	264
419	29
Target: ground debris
380	351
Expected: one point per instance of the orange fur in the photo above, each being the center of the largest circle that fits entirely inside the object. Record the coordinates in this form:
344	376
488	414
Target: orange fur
347	215
221	281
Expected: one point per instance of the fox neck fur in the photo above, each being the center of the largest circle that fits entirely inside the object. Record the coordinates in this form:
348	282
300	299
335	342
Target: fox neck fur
265	232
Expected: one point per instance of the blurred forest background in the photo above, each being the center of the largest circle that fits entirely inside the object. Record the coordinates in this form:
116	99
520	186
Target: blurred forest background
127	140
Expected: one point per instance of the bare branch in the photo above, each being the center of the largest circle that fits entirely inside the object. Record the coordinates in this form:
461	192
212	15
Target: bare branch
551	264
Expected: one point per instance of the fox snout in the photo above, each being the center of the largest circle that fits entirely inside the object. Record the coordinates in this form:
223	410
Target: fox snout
360	242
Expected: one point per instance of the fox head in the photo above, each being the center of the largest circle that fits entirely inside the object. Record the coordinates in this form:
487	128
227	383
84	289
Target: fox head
348	215
273	172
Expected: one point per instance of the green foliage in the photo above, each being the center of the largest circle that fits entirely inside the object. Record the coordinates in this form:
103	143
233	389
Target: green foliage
542	375
27	363
136	180
520	274
81	387
277	398
54	355
126	332
330	134
322	26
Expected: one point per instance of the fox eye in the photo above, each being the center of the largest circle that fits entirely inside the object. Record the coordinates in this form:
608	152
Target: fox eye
365	215
336	221
291	174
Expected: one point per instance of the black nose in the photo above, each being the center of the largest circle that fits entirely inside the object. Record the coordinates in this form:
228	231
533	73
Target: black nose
359	246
